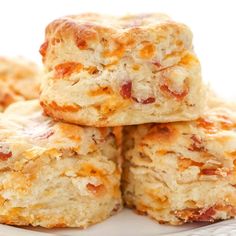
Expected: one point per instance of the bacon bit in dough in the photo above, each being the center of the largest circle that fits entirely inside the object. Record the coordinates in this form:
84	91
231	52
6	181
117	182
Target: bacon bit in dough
5	156
81	44
5	153
157	64
43	49
178	95
206	215
215	171
145	101
196	145
66	69
97	190
148	100
209	171
190	215
125	90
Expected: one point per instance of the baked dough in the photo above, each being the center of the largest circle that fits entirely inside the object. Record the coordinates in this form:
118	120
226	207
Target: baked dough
19	80
185	171
55	174
106	71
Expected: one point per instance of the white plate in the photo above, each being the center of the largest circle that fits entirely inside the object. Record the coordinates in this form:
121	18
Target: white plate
127	223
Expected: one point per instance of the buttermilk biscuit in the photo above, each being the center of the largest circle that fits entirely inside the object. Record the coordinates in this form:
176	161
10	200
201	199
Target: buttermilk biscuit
107	71
56	174
19	80
183	172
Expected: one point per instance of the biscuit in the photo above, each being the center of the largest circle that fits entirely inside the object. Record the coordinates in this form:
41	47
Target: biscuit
19	80
184	171
55	174
105	71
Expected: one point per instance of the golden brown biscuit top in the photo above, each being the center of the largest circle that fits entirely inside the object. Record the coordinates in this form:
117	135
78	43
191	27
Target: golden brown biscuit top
115	35
25	132
106	22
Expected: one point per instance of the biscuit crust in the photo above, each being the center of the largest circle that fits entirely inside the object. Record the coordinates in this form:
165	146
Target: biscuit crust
106	71
55	174
185	171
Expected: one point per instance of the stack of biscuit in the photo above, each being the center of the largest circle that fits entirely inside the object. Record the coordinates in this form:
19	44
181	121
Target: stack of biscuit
118	86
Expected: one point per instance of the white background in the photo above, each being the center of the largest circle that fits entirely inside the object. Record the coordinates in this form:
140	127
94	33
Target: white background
213	22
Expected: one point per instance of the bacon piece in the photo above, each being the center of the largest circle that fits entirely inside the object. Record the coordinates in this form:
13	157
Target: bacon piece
125	90
196	145
81	44
206	215
144	101
4	156
199	214
210	171
66	69
177	95
43	49
148	100
5	153
157	64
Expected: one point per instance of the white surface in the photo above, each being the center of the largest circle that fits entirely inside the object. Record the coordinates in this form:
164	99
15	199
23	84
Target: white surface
22	24
128	224
125	223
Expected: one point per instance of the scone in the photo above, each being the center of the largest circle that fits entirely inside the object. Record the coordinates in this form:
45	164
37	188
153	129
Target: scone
19	80
185	171
56	174
106	71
